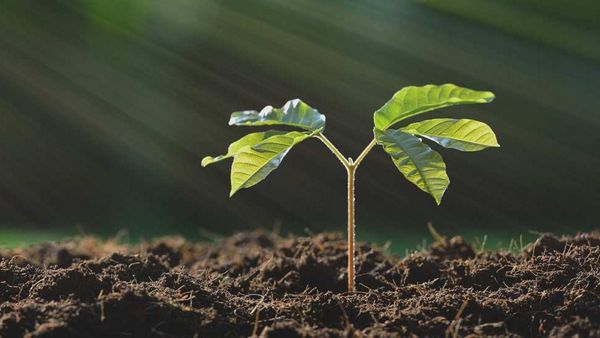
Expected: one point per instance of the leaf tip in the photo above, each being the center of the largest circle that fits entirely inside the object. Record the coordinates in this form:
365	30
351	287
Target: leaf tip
234	189
206	161
438	196
232	192
495	143
233	118
488	96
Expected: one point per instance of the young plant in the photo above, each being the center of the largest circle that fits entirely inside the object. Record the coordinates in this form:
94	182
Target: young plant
256	155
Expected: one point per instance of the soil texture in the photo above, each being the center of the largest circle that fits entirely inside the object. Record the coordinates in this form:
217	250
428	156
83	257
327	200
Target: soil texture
264	285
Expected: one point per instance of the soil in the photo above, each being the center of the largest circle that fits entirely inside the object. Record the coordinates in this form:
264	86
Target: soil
261	284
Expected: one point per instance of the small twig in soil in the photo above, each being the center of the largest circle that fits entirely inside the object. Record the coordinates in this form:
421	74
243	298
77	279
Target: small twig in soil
255	330
258	304
344	316
455	324
366	287
102	317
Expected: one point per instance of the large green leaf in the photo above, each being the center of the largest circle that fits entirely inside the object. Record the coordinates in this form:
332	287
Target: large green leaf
252	164
421	165
463	134
248	140
294	113
411	101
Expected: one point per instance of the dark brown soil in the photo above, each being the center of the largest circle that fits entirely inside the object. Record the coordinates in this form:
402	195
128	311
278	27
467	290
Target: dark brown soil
261	284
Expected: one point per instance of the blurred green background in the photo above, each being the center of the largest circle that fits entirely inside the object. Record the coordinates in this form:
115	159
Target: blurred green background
107	107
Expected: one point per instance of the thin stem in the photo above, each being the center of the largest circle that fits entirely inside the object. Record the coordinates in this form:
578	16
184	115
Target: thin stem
351	236
333	149
365	152
350	166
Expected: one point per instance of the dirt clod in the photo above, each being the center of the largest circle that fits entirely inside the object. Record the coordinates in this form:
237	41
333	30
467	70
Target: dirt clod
260	284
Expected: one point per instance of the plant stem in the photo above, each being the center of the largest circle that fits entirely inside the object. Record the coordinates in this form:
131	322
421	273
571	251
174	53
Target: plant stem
351	167
351	237
333	149
364	153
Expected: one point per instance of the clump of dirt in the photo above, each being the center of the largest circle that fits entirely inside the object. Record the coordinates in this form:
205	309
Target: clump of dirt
260	284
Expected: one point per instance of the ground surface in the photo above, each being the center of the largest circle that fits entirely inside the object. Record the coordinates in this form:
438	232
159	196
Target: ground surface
261	284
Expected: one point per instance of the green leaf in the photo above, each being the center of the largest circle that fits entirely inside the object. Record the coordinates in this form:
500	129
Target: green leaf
463	134
411	101
248	140
421	165
252	164
294	113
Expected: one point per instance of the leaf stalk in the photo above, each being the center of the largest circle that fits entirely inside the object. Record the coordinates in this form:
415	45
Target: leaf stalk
365	152
333	149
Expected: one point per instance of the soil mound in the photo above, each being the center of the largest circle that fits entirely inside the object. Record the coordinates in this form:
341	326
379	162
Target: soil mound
261	284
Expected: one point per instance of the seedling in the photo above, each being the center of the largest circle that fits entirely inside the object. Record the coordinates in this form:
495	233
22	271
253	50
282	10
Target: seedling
256	155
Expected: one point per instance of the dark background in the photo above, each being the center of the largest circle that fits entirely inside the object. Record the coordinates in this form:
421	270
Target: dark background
107	107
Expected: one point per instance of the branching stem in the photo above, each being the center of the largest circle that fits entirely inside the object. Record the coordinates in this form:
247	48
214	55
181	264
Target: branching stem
351	166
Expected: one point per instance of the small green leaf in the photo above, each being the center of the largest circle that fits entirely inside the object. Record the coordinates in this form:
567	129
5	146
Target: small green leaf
421	165
248	140
463	134
294	113
252	164
411	101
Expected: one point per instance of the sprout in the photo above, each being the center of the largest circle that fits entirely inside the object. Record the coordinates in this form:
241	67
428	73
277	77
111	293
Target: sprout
256	155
